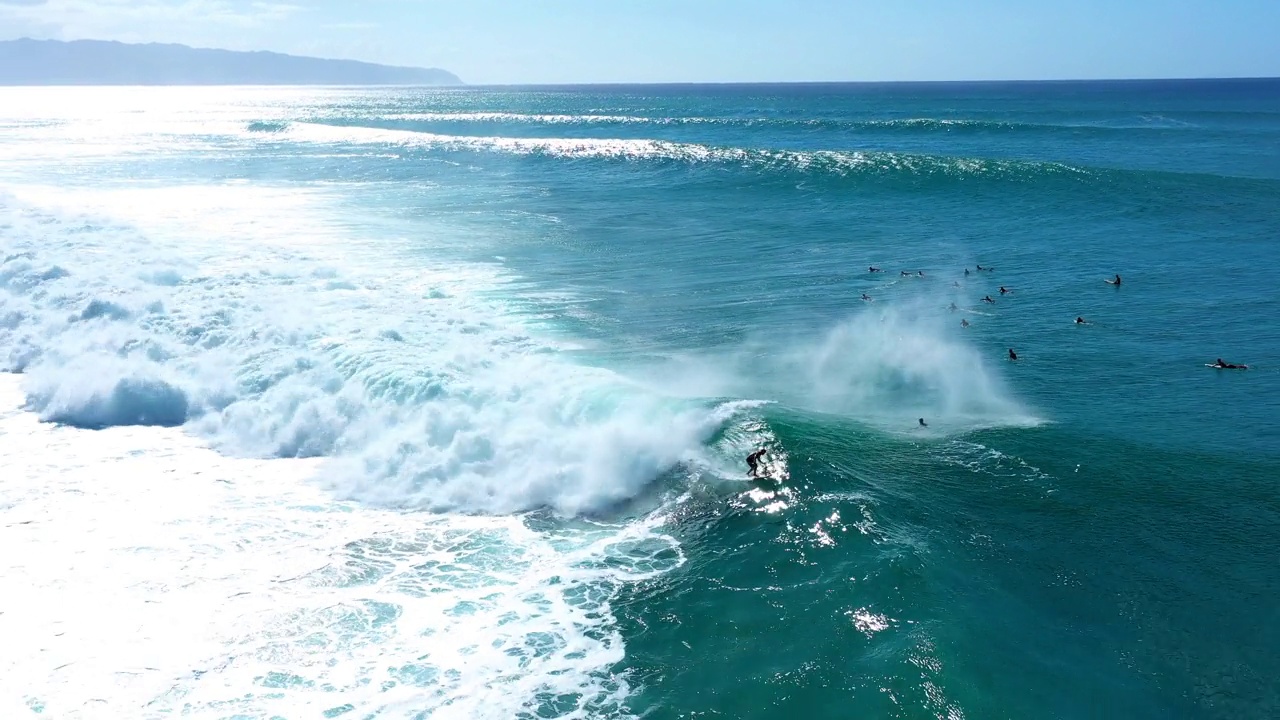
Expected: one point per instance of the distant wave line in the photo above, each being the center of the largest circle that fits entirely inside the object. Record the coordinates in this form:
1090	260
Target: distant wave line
834	162
1150	122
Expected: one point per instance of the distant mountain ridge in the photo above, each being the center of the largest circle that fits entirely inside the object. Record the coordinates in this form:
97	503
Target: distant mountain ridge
100	62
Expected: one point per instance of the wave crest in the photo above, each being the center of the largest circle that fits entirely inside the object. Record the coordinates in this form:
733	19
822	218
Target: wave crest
420	398
843	163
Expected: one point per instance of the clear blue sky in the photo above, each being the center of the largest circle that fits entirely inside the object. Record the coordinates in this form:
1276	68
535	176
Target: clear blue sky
544	41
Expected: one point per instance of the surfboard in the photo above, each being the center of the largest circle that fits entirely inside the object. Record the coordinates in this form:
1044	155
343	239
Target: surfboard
1219	367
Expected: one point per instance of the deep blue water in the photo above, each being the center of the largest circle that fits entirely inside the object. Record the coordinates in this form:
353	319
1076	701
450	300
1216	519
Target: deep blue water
1088	532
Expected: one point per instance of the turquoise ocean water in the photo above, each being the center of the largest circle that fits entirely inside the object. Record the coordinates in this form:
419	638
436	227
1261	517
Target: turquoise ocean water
572	311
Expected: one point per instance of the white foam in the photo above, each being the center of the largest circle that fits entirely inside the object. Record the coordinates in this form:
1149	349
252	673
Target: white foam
147	575
276	331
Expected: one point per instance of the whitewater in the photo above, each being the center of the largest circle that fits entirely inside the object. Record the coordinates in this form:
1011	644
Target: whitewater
404	403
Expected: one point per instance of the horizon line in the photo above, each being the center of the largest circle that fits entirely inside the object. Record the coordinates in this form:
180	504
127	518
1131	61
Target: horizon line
662	83
880	82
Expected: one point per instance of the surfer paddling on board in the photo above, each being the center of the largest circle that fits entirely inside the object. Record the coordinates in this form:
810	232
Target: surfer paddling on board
988	299
1081	321
1228	366
873	268
753	462
866	297
1115	282
964	323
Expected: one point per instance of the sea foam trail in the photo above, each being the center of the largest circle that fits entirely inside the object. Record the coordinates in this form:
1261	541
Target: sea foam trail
423	393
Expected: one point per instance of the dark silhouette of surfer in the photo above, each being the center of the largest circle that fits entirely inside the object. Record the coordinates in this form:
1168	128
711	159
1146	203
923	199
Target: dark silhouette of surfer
1012	355
866	296
923	423
952	307
873	268
1004	291
964	323
1115	282
753	462
1081	321
988	299
966	272
1221	365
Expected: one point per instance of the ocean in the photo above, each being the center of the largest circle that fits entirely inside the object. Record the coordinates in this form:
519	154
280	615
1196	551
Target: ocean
417	403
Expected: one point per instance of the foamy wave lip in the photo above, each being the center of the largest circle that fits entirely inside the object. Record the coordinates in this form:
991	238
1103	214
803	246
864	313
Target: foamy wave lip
423	397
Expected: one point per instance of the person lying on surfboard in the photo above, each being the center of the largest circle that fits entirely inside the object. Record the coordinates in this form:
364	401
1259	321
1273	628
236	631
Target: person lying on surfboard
753	461
1228	366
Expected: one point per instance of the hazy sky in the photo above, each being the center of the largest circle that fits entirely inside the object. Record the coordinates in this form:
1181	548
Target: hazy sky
536	41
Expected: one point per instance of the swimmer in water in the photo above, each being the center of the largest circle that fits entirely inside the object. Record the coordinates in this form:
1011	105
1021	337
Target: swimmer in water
979	268
923	423
753	461
1012	355
1115	282
1081	321
1004	290
966	272
921	273
873	268
952	307
955	284
964	323
988	299
904	273
866	296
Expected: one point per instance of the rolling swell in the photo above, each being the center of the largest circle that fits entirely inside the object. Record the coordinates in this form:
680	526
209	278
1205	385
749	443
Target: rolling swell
422	121
806	163
834	166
